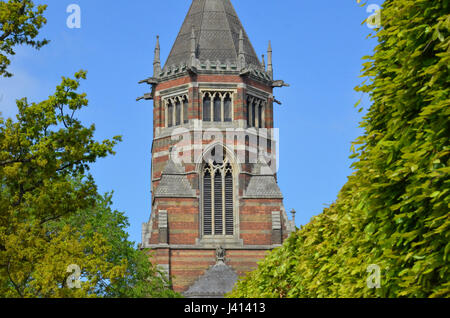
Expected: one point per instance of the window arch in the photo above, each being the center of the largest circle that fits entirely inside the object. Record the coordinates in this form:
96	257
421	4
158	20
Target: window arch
176	110
185	110
227	108
207	107
261	116
170	114
256	112
253	112
217	106
218	198
249	108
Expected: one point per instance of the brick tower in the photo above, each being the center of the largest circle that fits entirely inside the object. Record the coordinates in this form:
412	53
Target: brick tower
216	205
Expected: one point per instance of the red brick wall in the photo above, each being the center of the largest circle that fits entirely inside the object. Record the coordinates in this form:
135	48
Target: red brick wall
188	265
255	215
256	220
183	218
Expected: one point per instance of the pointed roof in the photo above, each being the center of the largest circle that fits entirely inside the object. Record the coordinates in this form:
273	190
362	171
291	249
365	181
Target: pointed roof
216	282
174	183
263	183
172	168
263	187
217	28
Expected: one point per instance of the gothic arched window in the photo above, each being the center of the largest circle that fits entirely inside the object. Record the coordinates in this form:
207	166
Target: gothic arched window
255	112
177	113
207	108
176	110
170	114
185	110
227	108
217	109
218	106
218	202
260	116
249	115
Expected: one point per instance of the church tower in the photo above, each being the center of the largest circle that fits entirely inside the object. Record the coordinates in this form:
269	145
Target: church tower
216	206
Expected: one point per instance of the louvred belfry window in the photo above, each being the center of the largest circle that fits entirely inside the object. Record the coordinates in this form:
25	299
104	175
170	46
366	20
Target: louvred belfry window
229	218
218	202
207	203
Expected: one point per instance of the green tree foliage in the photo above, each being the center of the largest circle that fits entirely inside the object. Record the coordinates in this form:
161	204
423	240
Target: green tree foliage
51	215
394	209
20	22
141	279
40	153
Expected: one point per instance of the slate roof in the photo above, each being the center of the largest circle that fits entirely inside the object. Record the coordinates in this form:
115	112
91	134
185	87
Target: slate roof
216	282
263	183
172	168
174	183
217	29
263	186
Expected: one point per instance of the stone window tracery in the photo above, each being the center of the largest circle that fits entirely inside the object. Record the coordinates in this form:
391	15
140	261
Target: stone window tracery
217	106
176	110
218	202
256	112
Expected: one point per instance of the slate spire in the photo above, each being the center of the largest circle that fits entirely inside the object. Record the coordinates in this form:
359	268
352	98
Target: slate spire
217	36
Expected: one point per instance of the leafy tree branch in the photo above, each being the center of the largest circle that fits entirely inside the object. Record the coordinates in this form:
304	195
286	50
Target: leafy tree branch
20	22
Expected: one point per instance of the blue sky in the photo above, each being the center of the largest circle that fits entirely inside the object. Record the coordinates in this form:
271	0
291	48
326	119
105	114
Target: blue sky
317	47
